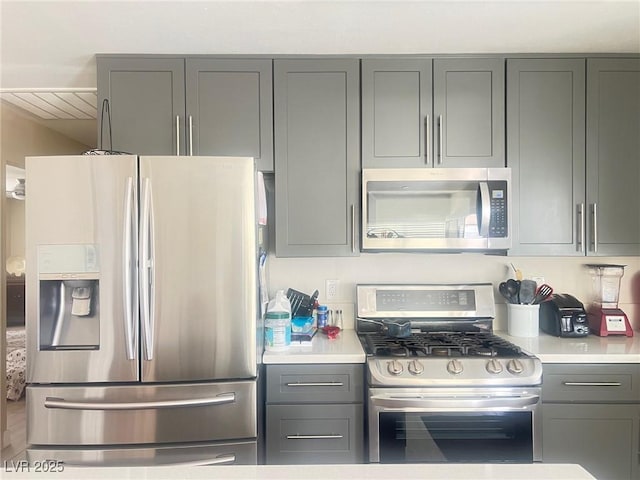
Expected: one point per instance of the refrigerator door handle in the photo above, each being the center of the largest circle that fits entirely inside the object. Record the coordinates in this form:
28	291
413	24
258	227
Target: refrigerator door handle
129	267
146	269
61	403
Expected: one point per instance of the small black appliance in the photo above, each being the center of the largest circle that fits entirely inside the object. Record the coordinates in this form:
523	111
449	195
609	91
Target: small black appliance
564	316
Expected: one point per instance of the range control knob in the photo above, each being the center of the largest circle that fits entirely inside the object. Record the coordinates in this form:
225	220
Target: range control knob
394	367
494	366
415	367
455	367
515	366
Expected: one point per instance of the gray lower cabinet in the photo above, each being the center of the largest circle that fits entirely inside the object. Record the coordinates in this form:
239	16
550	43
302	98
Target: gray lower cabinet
187	106
613	155
591	416
314	414
317	157
423	112
546	153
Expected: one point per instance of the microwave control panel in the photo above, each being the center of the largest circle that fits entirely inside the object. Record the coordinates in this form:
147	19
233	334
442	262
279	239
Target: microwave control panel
498	222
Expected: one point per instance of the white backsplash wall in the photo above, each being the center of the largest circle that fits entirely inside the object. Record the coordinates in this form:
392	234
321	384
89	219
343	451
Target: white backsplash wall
564	274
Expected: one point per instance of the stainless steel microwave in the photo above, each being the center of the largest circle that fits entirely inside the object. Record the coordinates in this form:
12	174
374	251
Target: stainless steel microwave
439	209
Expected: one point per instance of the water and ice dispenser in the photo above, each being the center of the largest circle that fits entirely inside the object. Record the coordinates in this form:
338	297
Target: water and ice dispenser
69	300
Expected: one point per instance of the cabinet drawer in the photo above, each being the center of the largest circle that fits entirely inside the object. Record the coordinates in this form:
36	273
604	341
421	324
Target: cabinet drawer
314	434
591	383
335	383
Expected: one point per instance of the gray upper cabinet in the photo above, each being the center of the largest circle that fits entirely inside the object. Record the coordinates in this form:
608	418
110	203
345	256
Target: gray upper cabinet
613	156
468	110
397	113
419	112
317	156
546	153
192	106
230	109
575	162
146	100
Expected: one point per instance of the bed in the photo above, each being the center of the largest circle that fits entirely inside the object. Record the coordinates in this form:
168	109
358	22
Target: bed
16	362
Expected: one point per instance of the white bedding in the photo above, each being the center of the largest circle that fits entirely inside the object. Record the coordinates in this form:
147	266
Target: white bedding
16	363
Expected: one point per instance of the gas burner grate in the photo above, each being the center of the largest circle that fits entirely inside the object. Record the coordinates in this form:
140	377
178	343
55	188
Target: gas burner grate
450	344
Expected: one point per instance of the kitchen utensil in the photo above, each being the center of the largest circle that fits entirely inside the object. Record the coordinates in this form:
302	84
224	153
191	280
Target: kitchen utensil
504	291
513	287
517	272
527	291
543	292
398	328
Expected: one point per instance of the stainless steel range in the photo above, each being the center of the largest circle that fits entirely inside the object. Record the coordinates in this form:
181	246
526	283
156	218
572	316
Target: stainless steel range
442	387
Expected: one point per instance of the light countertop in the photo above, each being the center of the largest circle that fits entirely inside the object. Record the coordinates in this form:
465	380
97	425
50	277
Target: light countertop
344	349
549	349
534	471
589	349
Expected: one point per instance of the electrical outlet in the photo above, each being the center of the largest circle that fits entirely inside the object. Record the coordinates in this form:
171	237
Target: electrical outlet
331	289
538	279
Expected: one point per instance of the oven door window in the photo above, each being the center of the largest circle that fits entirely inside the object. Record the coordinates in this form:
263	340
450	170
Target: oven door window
478	437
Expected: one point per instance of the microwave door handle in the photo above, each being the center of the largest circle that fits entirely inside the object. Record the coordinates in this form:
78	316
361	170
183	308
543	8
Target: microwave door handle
484	212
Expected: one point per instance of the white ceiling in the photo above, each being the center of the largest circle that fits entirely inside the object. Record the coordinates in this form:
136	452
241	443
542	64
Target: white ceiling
52	44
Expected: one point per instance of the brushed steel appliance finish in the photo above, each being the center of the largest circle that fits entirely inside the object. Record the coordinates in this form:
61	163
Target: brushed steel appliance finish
86	206
367	304
458	372
139	414
439	177
222	453
201	268
459	400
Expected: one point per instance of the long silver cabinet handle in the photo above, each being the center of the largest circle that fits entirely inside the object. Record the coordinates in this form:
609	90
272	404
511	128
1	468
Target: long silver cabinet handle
61	403
177	134
353	228
440	138
594	227
313	437
190	135
580	246
592	384
315	384
129	267
427	139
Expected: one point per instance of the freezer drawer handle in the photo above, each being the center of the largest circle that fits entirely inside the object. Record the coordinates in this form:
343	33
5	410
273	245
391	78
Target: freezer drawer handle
224	398
315	384
220	460
313	437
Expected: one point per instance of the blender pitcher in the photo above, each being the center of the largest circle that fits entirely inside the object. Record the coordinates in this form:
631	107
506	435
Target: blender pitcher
605	318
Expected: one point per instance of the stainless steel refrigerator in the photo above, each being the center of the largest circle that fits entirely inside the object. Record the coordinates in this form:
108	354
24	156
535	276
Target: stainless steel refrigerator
142	309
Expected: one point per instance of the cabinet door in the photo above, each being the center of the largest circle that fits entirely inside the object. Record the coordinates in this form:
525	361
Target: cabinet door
546	153
146	105
317	163
314	434
613	156
229	109
396	113
601	438
468	108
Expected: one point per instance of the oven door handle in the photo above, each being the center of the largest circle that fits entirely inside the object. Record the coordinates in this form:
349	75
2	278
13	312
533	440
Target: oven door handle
422	402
